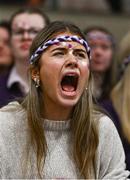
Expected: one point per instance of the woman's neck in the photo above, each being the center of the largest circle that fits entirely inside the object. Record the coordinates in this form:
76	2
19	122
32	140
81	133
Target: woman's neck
57	113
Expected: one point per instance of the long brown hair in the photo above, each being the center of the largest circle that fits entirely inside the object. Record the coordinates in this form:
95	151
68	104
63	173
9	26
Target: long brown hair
83	125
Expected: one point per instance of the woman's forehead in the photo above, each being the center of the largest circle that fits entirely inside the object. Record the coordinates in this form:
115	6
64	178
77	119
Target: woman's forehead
68	45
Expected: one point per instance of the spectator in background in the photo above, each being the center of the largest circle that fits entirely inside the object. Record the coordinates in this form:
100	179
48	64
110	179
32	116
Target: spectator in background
25	24
120	96
117	101
102	45
6	58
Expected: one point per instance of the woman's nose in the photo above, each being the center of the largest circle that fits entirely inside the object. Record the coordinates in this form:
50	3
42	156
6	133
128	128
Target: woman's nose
72	61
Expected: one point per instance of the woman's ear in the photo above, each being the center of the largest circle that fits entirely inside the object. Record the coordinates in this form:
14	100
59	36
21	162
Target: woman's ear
35	73
35	76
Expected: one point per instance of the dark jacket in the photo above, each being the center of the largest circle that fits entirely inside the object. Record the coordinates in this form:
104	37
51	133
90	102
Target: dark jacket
8	94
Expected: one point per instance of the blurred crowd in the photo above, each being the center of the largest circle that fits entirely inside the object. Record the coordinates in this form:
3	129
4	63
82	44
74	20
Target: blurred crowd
110	65
114	6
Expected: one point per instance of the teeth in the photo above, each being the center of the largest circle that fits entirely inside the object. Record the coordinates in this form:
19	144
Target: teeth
69	75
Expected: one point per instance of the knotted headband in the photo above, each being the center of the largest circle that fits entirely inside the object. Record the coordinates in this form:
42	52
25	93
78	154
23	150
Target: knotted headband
56	40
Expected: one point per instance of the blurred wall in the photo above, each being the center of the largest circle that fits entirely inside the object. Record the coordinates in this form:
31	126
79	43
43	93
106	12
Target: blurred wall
118	24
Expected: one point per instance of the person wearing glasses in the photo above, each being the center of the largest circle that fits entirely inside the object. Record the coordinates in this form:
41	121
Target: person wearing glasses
25	24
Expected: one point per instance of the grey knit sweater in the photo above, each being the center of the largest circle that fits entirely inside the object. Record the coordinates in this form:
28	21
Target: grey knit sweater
59	163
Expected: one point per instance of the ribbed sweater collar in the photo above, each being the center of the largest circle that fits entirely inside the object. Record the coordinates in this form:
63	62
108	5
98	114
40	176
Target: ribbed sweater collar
56	125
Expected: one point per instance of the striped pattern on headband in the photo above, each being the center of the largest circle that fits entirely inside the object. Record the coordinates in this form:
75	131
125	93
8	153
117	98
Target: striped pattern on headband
56	40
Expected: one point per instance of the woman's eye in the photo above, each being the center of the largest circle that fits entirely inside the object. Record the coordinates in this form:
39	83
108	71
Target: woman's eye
58	53
81	55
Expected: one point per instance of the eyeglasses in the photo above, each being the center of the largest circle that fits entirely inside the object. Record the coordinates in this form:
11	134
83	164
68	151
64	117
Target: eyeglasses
20	32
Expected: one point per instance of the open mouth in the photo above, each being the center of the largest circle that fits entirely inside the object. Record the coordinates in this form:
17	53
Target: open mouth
69	82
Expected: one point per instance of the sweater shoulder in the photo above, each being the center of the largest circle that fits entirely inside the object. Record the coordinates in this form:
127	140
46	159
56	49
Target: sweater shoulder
106	124
107	132
11	116
111	158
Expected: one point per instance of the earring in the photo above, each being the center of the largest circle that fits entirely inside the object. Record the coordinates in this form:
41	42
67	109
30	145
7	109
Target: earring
86	89
37	82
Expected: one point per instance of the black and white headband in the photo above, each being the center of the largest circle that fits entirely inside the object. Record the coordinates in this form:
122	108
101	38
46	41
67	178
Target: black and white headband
56	40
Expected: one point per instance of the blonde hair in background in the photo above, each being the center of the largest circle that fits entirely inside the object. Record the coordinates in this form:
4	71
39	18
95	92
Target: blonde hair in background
120	96
124	48
123	51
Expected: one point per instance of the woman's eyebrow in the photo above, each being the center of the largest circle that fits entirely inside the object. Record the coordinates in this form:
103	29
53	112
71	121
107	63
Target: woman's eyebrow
59	48
80	50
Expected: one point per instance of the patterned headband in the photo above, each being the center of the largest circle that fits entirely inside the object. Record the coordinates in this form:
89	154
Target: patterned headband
56	40
101	36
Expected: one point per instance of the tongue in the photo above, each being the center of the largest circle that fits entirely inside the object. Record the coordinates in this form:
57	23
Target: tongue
68	88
